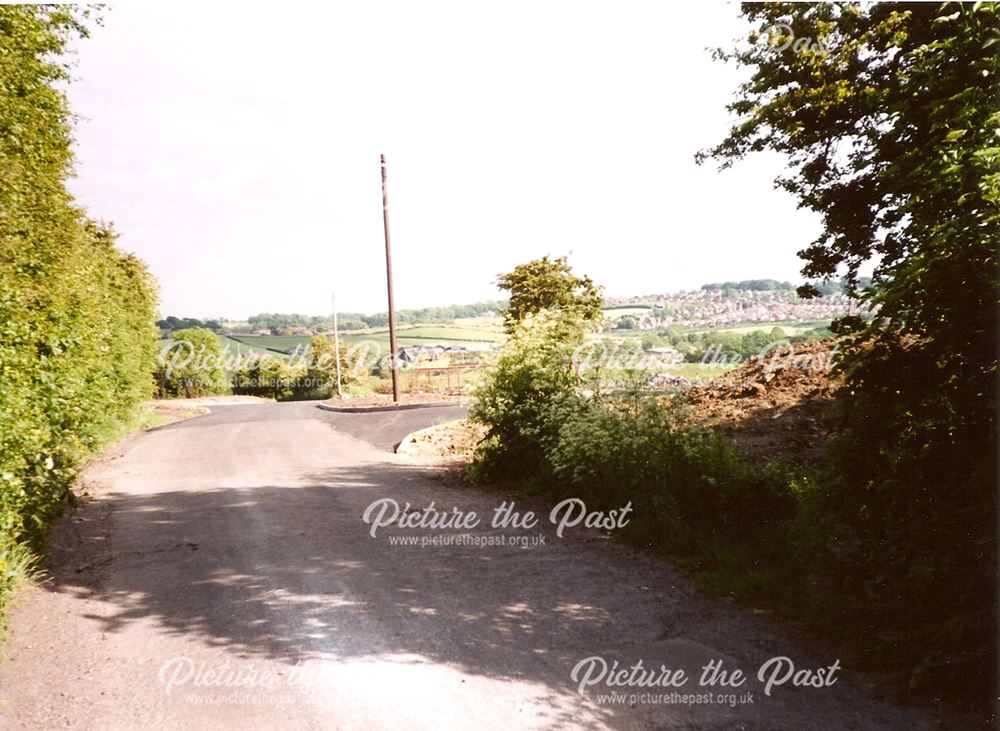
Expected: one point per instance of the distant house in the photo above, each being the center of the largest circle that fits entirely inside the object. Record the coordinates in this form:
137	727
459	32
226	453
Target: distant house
295	331
418	353
408	355
666	355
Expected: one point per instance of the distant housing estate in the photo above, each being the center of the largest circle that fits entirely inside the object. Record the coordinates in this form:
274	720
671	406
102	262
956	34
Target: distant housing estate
709	308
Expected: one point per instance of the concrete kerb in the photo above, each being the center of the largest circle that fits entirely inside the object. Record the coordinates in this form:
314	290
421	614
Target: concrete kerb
388	407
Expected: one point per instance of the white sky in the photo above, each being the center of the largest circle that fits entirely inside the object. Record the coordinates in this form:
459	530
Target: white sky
236	148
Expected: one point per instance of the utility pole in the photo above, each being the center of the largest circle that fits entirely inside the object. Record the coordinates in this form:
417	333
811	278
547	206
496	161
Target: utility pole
388	278
336	341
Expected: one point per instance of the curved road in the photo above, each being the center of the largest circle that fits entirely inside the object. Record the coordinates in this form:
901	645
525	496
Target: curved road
221	576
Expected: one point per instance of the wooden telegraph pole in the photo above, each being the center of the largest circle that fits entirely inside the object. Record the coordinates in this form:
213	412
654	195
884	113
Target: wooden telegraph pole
388	278
336	342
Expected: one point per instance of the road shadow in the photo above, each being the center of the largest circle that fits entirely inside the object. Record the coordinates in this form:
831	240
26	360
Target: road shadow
293	574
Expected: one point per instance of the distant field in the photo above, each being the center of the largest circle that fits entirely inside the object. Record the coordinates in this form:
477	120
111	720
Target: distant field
405	335
271	342
616	312
231	346
475	333
791	327
450	332
404	338
493	324
620	308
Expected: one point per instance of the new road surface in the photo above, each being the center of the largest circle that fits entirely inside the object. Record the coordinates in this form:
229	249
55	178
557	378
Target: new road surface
221	574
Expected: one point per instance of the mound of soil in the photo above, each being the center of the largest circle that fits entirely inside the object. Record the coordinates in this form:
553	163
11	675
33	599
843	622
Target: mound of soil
773	406
453	439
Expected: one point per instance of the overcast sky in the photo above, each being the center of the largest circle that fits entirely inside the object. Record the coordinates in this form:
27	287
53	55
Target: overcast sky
236	150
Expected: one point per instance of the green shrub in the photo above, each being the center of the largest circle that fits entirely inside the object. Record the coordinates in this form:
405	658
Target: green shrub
264	375
531	373
909	510
321	374
77	340
692	493
311	375
192	365
688	485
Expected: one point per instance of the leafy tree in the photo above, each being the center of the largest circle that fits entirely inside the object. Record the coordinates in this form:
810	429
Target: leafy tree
534	370
322	359
351	324
193	364
625	323
652	340
549	284
263	375
181	323
889	120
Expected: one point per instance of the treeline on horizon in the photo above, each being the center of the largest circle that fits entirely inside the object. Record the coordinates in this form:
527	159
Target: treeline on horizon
345	320
361	321
825	288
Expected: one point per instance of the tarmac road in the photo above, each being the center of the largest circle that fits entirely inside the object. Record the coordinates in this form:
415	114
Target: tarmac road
221	576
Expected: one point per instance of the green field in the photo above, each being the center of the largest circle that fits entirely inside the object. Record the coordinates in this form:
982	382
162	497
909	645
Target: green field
476	334
280	343
231	346
617	312
791	327
489	324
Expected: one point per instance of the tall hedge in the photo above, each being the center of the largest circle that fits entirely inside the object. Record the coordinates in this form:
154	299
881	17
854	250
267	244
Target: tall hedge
77	339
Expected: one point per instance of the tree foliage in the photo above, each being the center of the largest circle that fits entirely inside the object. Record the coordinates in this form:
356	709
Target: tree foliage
323	356
754	285
359	320
193	365
533	371
549	284
182	323
889	119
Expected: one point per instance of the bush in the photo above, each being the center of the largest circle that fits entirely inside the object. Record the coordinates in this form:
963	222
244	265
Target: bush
901	523
311	375
192	365
692	493
322	372
909	510
532	372
689	486
266	376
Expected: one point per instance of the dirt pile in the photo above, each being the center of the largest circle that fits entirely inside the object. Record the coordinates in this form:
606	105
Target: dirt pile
457	439
773	406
